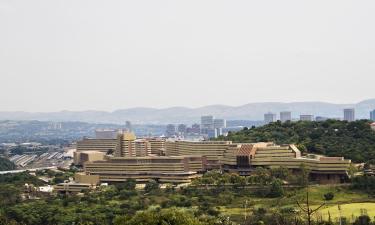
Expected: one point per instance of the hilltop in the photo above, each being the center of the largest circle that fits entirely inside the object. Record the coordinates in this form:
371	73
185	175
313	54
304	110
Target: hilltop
353	140
251	111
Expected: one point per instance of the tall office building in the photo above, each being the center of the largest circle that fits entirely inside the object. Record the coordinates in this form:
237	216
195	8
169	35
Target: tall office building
285	116
220	123
269	117
372	115
207	122
306	117
171	130
349	114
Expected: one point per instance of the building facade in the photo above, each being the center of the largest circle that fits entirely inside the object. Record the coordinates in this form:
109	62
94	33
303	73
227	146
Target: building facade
306	117
207	122
165	169
372	115
244	158
349	114
285	116
105	134
269	118
212	150
170	130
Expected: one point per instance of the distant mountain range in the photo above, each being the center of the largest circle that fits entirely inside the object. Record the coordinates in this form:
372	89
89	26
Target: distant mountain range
252	111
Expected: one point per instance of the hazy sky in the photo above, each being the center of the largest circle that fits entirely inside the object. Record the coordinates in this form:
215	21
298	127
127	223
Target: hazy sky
106	55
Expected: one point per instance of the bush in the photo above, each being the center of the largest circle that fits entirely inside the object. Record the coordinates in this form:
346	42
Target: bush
328	196
151	186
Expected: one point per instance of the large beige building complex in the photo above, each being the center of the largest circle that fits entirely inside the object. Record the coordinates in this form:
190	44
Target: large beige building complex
181	161
212	150
126	144
165	169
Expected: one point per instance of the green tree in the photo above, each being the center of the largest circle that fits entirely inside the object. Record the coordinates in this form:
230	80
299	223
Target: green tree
152	186
170	216
276	189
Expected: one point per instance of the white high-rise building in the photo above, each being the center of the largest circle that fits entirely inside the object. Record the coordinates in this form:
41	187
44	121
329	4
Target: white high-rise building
220	123
349	114
306	117
285	116
269	118
207	122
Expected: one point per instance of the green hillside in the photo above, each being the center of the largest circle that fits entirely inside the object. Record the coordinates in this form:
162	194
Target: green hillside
353	140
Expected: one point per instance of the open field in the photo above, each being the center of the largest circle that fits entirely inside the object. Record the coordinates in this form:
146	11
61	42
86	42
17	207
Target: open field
349	210
351	202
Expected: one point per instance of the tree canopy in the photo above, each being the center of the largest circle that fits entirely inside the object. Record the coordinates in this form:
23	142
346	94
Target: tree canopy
353	140
5	164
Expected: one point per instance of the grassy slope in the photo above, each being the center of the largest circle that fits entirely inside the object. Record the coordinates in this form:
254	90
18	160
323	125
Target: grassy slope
343	195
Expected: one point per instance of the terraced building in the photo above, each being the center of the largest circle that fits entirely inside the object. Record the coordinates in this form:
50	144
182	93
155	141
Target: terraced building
165	169
244	158
212	150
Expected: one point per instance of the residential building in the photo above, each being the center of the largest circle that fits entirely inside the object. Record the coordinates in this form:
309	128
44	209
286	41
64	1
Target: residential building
306	117
349	114
269	118
285	116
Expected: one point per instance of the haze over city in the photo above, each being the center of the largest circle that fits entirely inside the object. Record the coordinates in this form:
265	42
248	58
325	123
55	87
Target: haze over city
80	55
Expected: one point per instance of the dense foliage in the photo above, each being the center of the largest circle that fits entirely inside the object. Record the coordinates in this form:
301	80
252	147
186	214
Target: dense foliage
266	198
353	140
5	164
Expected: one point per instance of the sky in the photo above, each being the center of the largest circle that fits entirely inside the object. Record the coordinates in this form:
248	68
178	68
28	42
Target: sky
115	54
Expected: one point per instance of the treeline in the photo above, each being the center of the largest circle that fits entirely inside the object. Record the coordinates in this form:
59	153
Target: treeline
5	164
123	204
353	140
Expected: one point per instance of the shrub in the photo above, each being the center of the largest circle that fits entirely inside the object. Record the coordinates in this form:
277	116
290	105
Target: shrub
328	196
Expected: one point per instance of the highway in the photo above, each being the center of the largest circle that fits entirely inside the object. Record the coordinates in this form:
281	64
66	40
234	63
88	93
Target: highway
30	170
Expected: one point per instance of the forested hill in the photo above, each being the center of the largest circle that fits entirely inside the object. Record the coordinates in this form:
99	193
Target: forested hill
5	164
353	140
